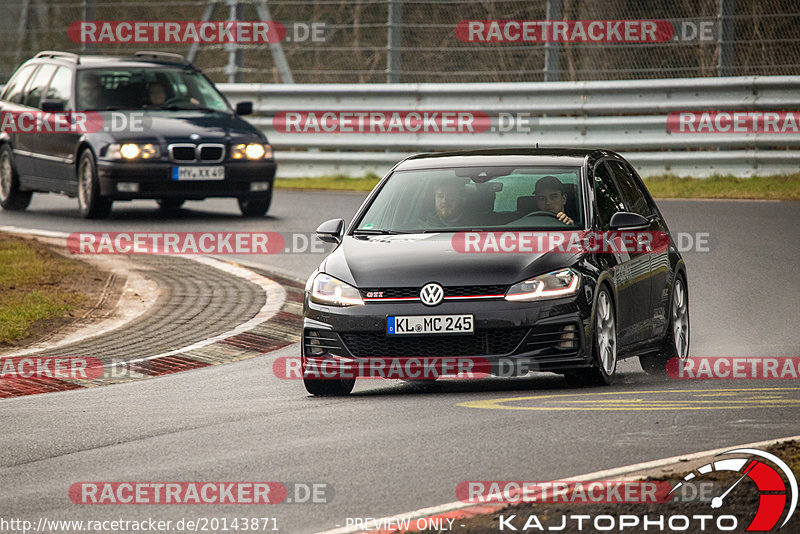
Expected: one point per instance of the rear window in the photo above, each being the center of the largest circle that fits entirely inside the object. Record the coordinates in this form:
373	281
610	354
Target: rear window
476	198
13	91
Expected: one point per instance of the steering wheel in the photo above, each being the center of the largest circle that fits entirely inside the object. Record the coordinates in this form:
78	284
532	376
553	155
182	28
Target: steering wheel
173	100
542	212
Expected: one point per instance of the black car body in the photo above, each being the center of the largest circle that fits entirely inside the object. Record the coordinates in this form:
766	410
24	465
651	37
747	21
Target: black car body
186	144
376	274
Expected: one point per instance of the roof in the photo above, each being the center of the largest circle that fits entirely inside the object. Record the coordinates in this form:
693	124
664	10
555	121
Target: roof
135	60
503	156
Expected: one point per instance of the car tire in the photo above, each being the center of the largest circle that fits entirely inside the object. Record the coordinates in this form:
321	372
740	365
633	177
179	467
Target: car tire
329	388
676	340
255	206
604	346
90	203
170	205
11	198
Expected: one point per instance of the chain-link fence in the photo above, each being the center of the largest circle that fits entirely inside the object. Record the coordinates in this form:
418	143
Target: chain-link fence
334	41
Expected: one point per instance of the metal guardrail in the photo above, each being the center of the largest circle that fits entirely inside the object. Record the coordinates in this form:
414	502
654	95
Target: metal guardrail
626	116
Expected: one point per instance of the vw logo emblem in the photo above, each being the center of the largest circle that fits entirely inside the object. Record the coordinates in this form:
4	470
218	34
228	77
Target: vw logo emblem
431	294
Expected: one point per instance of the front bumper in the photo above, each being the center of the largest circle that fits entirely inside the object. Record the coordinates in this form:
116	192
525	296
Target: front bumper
547	335
154	180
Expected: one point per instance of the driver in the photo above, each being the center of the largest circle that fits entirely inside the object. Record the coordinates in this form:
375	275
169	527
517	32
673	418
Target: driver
450	198
550	196
90	91
156	93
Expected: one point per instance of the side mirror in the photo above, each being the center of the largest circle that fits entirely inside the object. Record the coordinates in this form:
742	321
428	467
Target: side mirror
244	108
52	106
331	231
625	220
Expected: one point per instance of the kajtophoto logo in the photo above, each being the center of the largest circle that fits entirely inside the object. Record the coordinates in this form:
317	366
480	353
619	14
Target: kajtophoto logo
729	504
771	486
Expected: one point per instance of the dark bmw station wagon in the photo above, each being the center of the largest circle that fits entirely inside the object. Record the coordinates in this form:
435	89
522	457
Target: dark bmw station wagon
150	126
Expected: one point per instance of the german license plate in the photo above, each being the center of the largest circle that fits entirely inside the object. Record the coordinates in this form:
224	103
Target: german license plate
198	173
429	324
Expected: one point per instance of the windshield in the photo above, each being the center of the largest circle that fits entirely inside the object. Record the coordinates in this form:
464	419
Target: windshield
469	198
147	88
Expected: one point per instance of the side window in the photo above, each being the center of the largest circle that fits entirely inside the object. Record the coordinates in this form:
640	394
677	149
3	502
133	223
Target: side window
13	91
633	196
38	85
609	201
60	86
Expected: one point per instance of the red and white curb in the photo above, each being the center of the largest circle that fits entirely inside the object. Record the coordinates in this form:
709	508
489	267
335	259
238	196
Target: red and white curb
169	362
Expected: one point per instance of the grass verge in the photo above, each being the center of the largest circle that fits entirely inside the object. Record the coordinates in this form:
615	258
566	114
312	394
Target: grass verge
778	187
36	285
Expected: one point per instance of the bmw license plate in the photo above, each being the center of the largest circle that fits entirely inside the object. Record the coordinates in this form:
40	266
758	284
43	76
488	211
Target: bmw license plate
198	173
429	324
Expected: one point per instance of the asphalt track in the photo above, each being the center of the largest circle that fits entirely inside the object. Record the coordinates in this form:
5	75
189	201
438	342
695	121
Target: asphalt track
393	447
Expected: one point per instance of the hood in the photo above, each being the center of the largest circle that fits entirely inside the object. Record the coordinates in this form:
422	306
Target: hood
177	126
412	260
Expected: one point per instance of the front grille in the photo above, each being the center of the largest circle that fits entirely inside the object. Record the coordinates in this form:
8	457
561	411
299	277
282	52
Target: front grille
452	291
183	152
553	340
472	291
481	343
189	152
212	152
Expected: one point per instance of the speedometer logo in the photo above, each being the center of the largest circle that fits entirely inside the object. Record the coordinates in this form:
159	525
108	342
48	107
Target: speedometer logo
773	493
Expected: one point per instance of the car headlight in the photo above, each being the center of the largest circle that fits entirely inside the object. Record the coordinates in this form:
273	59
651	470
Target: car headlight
133	151
557	284
326	289
251	151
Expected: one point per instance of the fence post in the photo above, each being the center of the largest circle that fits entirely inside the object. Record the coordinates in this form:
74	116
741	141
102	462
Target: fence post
725	39
88	14
551	50
394	42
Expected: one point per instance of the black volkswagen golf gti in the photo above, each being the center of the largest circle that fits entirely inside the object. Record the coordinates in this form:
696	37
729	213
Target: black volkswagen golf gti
149	126
432	266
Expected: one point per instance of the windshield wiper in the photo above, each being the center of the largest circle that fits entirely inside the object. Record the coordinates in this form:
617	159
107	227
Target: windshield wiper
449	230
174	107
369	231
